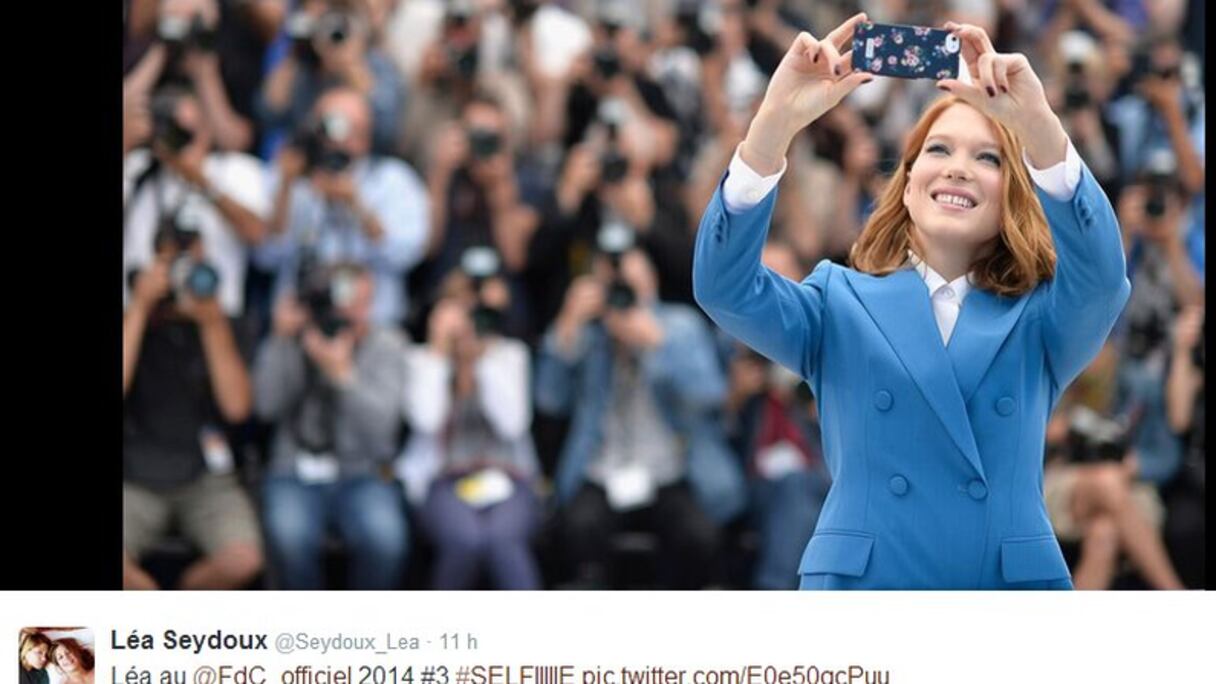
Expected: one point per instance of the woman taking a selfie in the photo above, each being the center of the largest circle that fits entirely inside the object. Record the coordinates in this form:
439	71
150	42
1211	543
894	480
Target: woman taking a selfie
985	280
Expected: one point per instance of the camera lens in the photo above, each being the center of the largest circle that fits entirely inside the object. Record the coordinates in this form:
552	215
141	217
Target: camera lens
614	166
484	143
203	281
607	63
620	295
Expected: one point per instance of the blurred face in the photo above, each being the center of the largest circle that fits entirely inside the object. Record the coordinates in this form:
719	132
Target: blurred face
66	660
955	186
36	657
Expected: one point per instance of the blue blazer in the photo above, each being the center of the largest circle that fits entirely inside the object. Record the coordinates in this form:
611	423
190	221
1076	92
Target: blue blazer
935	451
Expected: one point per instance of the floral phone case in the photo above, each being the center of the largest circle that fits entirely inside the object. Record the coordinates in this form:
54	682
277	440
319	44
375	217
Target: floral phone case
905	51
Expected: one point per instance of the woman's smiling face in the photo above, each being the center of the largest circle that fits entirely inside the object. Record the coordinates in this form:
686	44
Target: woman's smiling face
66	660
956	185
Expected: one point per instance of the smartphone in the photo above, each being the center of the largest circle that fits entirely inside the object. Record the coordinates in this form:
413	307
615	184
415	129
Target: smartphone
905	51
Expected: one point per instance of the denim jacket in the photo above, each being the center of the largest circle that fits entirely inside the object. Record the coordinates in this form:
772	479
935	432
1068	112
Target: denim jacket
688	384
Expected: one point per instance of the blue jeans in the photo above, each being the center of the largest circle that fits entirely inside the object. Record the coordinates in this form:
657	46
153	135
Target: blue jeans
785	511
365	512
498	537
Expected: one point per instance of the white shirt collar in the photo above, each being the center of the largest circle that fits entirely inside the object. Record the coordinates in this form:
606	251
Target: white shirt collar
934	280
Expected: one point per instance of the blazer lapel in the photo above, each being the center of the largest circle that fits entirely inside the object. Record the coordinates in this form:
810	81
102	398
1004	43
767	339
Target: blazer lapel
899	305
983	324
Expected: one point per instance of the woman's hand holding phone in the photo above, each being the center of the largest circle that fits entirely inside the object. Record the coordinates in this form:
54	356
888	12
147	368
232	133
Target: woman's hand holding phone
1005	87
812	78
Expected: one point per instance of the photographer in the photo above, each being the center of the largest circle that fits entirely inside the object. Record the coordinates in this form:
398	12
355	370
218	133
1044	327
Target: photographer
225	189
615	67
213	47
184	381
331	48
331	381
1082	85
335	199
1150	214
481	192
462	48
470	465
603	180
773	427
1184	402
1091	491
642	383
1162	110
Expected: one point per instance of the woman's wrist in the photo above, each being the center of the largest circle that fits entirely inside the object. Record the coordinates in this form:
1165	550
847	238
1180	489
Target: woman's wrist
1043	136
767	140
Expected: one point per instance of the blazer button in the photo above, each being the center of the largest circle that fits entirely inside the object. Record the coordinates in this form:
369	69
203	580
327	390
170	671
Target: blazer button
976	490
882	399
898	485
1005	405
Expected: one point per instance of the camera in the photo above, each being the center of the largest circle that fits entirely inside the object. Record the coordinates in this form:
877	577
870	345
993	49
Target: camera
481	263
689	19
484	143
166	130
614	239
300	27
180	34
460	50
1076	95
1094	439
191	277
315	139
1160	174
323	290
607	62
1145	333
334	27
613	164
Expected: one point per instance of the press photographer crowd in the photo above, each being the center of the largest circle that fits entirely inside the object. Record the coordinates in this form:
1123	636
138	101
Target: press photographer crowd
408	298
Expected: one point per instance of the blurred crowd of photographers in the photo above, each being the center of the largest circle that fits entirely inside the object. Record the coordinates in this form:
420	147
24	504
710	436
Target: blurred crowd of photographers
407	289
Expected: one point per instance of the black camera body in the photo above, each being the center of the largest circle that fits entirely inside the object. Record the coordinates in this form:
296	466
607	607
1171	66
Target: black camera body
317	146
480	263
191	277
180	34
1160	177
463	60
613	166
483	143
607	62
166	130
1145	333
1094	439
320	290
614	239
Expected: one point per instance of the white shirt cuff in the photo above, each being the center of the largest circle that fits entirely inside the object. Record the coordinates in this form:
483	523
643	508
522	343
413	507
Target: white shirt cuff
744	188
1060	180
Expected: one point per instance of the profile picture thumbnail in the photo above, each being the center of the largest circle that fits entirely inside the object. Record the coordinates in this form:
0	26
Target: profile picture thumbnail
55	655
